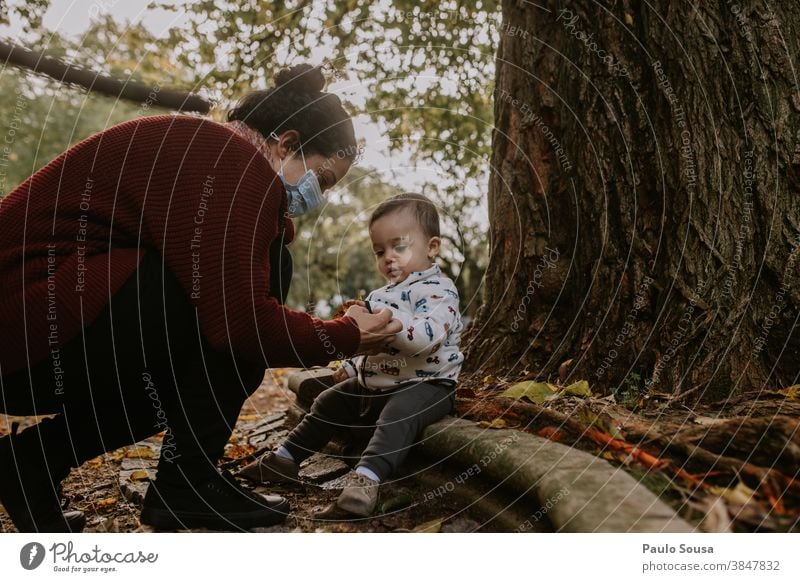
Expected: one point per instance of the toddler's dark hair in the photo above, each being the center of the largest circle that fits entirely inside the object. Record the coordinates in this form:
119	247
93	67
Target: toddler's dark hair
425	210
297	102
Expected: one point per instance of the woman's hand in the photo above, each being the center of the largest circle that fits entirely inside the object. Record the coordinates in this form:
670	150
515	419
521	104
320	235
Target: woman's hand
377	329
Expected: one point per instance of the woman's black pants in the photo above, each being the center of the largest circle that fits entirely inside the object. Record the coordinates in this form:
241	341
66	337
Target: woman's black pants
140	368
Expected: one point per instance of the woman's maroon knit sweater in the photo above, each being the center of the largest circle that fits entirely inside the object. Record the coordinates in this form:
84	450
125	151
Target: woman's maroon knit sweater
72	233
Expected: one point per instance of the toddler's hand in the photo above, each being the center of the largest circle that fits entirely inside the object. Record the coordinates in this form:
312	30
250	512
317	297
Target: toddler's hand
339	375
346	305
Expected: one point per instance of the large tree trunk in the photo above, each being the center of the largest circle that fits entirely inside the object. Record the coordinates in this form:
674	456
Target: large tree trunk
645	220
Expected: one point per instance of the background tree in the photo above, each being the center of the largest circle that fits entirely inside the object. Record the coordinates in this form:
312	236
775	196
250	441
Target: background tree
645	219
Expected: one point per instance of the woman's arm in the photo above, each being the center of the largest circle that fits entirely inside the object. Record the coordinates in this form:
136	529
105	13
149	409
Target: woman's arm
215	232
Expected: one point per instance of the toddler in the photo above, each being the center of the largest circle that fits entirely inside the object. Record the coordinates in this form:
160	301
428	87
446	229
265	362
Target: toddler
401	390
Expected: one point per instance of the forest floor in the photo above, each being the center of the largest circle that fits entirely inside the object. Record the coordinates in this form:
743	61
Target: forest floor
109	488
723	466
726	466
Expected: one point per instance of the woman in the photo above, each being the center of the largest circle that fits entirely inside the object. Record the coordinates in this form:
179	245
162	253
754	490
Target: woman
143	274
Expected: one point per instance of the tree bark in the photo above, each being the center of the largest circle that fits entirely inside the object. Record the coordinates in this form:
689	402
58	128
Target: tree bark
645	219
126	89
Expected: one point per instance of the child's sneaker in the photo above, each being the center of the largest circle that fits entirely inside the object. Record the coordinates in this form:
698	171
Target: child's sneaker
271	468
360	495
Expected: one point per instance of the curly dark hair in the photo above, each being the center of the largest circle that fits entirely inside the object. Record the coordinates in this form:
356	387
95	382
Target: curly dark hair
298	102
423	207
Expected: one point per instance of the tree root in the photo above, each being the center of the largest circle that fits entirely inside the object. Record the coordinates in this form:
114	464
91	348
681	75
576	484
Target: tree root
714	448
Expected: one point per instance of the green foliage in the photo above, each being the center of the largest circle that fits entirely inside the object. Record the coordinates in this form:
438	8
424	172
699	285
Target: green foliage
537	392
40	118
422	70
29	13
425	67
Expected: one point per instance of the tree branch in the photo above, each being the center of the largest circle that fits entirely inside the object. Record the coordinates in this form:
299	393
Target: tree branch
128	89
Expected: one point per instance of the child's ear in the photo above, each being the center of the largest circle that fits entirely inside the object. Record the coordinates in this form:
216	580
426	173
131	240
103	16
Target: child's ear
434	245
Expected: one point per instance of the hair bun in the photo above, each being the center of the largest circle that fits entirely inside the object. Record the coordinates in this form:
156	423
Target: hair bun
303	78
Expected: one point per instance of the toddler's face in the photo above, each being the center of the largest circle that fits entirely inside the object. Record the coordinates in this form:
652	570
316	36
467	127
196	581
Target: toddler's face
400	245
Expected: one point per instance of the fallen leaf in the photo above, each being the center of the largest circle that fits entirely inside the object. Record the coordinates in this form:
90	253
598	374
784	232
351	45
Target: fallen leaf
536	392
96	462
432	526
238	451
116	455
249	417
105	503
602	421
579	388
465	393
741	494
140	453
140	475
496	423
792	392
488	379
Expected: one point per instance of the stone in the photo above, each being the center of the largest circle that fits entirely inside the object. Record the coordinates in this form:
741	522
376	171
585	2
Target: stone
272	440
261	430
138	464
319	468
133	491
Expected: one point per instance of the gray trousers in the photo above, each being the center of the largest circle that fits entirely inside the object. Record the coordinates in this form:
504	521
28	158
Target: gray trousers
397	418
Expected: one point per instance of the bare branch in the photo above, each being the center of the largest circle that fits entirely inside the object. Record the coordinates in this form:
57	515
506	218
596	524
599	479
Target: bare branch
126	89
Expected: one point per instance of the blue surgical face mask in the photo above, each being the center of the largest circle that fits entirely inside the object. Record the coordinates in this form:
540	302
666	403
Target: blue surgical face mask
306	194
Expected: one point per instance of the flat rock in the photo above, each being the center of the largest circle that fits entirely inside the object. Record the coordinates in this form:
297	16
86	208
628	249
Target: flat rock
138	464
262	425
133	491
319	468
263	431
271	440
